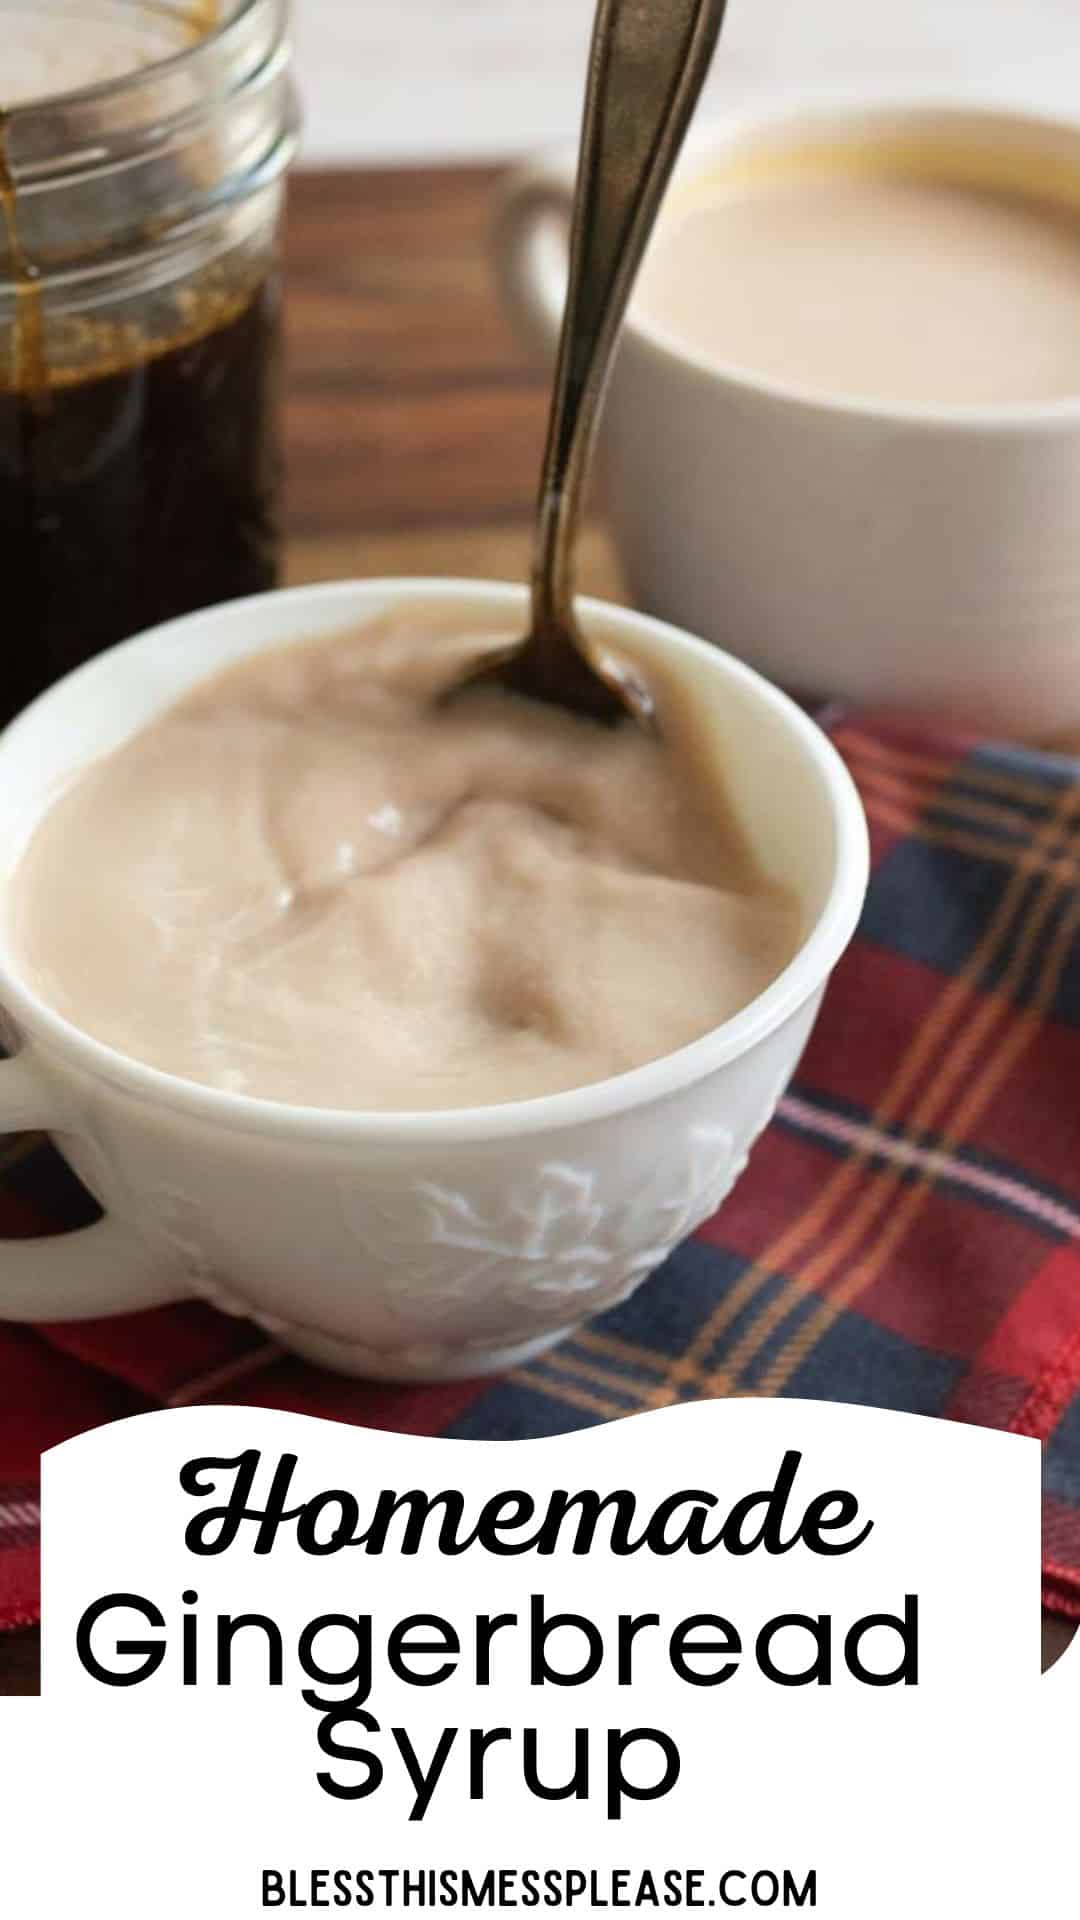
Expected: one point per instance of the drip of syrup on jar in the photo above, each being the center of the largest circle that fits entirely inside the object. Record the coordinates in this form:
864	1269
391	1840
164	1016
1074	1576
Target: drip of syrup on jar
202	17
31	370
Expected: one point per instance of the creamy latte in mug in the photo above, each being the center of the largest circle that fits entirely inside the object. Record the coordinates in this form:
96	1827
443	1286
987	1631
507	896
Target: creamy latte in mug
875	283
843	434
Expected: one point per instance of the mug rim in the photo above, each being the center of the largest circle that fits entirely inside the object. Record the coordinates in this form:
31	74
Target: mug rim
804	974
817	115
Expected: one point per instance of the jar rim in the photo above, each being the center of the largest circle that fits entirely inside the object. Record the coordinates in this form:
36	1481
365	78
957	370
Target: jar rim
119	172
209	55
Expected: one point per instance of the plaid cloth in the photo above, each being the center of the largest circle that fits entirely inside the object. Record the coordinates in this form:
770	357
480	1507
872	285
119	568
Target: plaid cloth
907	1235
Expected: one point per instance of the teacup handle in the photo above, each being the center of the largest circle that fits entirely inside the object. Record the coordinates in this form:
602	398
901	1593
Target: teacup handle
95	1271
532	199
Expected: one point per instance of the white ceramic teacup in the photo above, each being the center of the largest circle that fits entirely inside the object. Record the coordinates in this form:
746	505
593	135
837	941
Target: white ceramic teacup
917	559
397	1245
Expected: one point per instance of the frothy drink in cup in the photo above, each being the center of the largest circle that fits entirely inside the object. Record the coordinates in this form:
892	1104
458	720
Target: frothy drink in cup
311	882
875	284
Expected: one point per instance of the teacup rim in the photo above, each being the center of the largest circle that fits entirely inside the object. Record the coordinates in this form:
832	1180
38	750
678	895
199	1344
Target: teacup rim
818	112
806	972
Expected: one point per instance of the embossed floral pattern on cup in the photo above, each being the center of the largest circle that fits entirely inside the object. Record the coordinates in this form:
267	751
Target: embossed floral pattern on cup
557	1245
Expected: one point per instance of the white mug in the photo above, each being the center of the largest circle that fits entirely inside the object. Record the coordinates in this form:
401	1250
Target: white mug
407	1245
918	559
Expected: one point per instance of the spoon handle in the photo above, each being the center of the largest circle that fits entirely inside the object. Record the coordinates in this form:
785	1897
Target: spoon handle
647	65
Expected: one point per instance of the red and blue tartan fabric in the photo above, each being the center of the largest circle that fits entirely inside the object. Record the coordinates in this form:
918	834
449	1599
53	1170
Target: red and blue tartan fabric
907	1234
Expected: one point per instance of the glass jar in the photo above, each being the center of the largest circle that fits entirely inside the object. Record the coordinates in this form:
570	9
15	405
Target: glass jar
139	318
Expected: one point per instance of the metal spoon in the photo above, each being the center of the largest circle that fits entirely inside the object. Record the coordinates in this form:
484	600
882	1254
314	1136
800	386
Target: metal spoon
647	65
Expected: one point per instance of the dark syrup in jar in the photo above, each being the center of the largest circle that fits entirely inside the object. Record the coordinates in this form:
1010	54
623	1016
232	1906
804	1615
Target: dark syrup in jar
137	492
138	467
